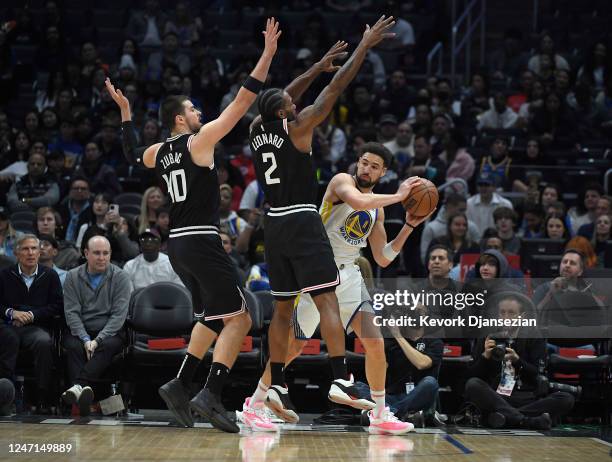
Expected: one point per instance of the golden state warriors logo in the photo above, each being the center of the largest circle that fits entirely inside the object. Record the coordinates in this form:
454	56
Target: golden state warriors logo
356	227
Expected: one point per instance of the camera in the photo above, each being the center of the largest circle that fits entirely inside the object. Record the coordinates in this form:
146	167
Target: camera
501	343
545	386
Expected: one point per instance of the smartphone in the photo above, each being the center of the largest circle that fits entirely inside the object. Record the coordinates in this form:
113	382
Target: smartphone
114	208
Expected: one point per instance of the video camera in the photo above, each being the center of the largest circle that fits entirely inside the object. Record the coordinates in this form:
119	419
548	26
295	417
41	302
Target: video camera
544	386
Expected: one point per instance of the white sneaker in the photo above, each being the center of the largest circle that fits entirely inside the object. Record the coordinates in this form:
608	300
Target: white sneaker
345	392
385	423
255	417
72	395
277	399
271	416
77	394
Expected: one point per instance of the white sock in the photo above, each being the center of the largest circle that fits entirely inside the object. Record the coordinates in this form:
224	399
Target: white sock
379	399
260	393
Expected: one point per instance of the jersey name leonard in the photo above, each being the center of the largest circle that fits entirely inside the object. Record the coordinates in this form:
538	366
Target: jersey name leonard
356	227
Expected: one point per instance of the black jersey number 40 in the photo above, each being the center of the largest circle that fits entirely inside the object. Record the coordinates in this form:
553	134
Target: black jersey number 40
177	185
269	157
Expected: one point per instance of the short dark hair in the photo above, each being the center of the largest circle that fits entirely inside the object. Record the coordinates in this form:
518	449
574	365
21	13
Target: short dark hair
379	150
504	212
449	253
270	101
422	136
171	107
532	207
454	198
577	252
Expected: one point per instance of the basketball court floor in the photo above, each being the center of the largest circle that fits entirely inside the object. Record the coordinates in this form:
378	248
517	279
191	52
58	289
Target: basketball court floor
155	438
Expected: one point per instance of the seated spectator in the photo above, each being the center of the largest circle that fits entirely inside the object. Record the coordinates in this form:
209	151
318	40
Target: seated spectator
184	24
480	207
49	249
460	163
597	66
519	96
441	126
152	199
491	273
402	146
533	217
67	143
398	96
456	237
505	220
504	391
604	207
567	303
554	123
96	296
229	219
329	143
56	161
586	209
534	102
527	177
7	396
424	164
237	259
475	99
506	62
439	265
147	25
601	235
551	193
169	54
98	217
150	266
454	203
75	210
500	115
554	227
547	47
584	246
49	222
258	278
413	365
497	164
34	190
8	235
30	299
102	177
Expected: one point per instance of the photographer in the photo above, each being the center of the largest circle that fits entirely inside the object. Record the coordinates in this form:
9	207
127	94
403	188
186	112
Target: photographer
504	375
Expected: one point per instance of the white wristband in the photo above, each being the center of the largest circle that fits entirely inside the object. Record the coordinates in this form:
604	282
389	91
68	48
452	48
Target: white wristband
389	253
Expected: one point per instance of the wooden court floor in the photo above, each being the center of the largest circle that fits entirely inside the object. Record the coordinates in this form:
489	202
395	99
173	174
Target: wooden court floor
108	441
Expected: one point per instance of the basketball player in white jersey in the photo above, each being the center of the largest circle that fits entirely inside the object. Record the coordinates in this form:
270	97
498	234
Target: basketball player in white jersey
353	215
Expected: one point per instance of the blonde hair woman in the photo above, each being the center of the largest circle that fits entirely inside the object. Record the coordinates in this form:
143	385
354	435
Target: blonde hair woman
152	200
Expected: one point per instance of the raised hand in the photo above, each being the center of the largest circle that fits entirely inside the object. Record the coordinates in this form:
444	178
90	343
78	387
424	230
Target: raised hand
271	35
117	95
337	51
416	221
378	32
406	186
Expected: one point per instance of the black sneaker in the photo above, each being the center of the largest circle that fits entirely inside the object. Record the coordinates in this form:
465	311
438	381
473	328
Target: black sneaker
345	392
416	418
277	400
176	398
496	420
208	405
364	419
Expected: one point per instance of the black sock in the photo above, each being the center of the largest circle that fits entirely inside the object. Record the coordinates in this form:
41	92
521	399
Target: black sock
188	369
339	370
278	373
216	378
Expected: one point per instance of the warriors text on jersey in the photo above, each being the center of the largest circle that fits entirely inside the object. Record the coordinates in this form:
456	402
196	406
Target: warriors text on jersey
287	175
193	190
348	229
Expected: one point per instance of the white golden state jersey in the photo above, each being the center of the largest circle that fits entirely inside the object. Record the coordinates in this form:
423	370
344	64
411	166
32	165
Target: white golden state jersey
347	229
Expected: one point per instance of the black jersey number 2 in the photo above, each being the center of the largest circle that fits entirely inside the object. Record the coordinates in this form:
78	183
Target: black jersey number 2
177	185
269	156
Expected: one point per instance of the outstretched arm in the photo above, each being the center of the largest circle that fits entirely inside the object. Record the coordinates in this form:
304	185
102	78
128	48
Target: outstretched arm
313	115
343	186
202	145
297	88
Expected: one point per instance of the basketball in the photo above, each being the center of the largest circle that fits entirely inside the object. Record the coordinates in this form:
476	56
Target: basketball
423	199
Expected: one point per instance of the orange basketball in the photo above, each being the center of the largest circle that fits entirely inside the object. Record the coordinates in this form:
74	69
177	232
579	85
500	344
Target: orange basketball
422	200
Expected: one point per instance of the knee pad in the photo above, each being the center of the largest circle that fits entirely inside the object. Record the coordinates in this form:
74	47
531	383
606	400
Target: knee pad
215	325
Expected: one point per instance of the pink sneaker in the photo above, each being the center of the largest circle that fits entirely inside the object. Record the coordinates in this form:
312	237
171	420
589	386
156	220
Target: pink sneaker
255	417
387	424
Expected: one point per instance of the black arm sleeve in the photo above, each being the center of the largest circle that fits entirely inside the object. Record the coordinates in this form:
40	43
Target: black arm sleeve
132	153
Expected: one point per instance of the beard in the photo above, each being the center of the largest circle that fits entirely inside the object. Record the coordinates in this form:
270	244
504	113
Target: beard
365	183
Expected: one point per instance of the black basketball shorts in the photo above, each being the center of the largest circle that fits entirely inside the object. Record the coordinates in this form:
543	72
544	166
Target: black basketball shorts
299	255
208	273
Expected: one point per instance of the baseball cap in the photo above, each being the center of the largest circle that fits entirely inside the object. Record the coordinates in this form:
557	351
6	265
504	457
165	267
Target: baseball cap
388	119
484	179
50	239
150	232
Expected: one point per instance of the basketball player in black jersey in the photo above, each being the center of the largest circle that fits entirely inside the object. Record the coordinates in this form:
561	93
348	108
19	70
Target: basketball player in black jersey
298	252
185	163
